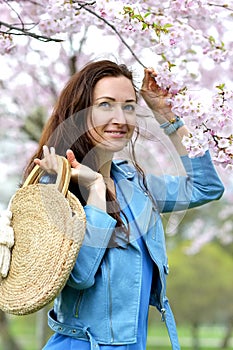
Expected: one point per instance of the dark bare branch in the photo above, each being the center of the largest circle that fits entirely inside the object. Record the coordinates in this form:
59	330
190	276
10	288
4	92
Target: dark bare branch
84	6
14	30
225	6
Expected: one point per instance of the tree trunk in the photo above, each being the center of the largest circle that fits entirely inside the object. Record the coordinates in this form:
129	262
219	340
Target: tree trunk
228	334
8	341
195	336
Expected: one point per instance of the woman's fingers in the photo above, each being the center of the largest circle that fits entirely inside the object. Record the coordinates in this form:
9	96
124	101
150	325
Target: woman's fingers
49	161
53	159
149	83
156	97
71	158
46	152
147	79
81	173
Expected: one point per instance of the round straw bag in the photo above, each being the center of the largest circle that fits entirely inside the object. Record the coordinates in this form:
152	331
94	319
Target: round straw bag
49	226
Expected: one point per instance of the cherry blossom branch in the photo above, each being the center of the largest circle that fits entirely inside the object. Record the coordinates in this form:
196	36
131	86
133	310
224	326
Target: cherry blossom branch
225	6
12	9
23	31
114	29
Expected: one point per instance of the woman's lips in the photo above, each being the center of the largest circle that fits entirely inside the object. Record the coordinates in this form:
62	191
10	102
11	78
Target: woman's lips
116	133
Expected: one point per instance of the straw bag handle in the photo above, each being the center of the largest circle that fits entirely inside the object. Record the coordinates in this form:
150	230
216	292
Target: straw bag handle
63	175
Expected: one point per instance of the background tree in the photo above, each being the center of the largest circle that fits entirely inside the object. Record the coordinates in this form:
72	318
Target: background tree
201	286
8	341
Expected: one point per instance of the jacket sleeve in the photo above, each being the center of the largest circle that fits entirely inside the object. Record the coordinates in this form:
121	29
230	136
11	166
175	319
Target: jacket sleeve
99	230
201	185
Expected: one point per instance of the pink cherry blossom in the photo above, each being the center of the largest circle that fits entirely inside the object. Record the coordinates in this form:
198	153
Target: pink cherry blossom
6	44
177	38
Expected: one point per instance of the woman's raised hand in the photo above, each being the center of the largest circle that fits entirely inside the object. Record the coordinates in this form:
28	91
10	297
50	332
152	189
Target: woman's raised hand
155	97
49	161
82	174
89	179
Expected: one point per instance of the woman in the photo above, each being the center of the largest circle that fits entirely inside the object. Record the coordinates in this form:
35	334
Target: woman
122	265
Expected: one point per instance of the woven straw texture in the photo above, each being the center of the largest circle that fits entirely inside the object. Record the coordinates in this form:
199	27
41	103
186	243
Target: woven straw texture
49	231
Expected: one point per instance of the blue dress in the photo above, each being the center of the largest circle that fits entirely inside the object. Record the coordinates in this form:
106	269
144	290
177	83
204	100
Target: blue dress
61	342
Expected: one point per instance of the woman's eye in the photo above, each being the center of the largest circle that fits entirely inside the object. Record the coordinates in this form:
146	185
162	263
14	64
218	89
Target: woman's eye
129	108
105	104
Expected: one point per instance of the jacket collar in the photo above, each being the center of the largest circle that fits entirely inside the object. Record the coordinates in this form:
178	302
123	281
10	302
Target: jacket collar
122	169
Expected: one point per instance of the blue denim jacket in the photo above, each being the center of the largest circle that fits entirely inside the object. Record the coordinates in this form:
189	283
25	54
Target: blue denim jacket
100	301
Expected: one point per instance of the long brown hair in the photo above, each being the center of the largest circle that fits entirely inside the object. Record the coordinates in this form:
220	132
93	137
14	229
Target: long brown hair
67	126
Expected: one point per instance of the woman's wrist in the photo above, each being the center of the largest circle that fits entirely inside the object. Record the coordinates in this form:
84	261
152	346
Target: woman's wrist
172	125
98	184
97	193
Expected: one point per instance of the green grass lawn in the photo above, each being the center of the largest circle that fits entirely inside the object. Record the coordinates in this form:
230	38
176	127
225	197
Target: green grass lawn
24	328
210	337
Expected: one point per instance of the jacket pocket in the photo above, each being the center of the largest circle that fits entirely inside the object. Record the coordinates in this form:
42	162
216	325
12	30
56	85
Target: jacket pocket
77	304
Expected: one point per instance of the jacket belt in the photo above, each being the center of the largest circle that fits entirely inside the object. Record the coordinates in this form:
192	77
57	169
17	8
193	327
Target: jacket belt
79	332
82	332
168	318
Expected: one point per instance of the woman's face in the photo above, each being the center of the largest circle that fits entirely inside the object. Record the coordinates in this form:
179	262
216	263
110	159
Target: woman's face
112	121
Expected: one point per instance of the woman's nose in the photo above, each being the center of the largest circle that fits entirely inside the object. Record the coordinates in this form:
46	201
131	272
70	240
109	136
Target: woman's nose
118	115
